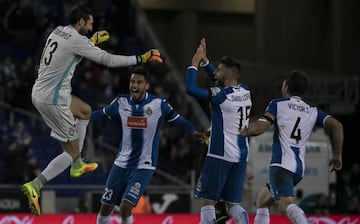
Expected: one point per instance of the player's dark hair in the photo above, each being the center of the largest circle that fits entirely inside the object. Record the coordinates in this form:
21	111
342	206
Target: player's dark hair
297	82
79	11
141	71
231	63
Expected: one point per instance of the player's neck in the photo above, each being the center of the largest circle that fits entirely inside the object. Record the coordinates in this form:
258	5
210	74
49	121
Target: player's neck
230	82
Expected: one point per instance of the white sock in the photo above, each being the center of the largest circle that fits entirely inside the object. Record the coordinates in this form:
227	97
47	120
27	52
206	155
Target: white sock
81	127
262	216
76	163
207	215
296	214
39	182
239	214
102	219
129	220
57	166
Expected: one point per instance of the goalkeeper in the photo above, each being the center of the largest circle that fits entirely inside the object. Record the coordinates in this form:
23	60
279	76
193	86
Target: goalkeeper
66	115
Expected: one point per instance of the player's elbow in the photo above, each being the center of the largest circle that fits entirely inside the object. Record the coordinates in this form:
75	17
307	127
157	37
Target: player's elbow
334	124
190	90
339	126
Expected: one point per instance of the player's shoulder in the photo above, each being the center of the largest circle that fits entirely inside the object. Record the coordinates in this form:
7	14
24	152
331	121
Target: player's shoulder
278	100
122	97
60	27
155	98
244	86
76	36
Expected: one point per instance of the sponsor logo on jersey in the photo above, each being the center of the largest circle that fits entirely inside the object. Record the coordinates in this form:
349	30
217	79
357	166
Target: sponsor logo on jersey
137	122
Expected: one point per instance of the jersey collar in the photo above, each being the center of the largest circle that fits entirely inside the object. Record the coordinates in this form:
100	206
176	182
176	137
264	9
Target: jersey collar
139	101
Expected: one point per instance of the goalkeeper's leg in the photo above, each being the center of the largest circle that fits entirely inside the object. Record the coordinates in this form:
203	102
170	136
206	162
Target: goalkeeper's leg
82	113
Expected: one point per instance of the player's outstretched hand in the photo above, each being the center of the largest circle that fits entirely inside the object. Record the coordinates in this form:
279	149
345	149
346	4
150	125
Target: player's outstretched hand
99	37
152	55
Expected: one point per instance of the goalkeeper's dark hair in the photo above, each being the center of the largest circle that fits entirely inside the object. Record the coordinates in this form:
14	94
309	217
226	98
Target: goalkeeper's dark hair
140	70
233	64
297	82
79	11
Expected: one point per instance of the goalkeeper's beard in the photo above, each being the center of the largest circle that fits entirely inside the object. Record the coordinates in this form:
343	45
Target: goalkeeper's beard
83	31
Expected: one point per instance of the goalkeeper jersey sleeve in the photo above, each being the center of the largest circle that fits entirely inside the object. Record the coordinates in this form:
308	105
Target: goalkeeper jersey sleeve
85	48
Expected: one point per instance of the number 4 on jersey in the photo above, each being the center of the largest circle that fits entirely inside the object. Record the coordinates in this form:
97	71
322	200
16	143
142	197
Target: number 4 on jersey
296	132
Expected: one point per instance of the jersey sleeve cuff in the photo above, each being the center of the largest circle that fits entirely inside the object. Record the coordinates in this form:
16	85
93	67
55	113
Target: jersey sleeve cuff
204	64
133	60
192	67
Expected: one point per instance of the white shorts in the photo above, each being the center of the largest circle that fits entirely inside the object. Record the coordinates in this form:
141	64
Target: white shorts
59	119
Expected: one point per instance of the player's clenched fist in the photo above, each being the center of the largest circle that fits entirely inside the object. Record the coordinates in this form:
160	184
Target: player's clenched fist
150	56
99	37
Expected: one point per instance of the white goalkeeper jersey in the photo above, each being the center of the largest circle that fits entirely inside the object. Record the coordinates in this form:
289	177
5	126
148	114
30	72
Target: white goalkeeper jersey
230	109
64	49
294	123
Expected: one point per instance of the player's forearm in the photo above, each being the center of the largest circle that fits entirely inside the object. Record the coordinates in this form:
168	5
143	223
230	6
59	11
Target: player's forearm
187	125
112	60
337	139
209	68
191	85
97	115
255	128
102	57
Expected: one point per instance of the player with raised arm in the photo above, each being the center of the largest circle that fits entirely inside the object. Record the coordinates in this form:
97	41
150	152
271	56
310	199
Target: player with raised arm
140	115
294	120
65	114
224	168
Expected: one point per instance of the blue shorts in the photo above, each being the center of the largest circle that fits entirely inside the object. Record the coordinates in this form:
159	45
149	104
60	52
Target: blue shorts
125	184
282	182
221	180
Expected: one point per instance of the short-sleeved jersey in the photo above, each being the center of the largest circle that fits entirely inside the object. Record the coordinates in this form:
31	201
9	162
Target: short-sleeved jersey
230	109
64	49
294	123
140	123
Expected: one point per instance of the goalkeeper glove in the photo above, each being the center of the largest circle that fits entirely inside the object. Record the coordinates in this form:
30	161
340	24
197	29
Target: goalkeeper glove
99	37
149	56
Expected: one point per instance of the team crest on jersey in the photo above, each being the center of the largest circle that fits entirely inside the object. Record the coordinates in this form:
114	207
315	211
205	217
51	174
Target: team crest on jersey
71	131
148	111
91	44
137	122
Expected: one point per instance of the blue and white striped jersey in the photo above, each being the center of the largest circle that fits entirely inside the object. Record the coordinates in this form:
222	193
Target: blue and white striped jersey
140	123
294	123
230	108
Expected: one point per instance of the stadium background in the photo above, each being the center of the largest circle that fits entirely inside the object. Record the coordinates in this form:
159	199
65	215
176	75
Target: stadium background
320	37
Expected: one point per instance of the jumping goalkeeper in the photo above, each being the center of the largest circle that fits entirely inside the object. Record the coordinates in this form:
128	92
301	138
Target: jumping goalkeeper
66	115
